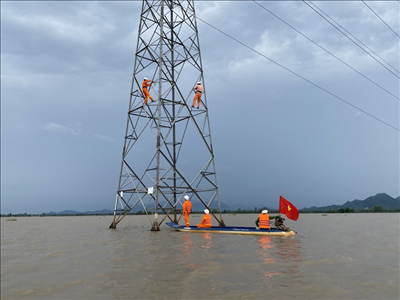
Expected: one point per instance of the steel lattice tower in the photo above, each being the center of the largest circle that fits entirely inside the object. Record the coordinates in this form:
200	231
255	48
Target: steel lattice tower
167	145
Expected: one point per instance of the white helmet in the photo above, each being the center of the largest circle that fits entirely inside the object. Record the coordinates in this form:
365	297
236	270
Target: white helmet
265	211
199	82
207	211
186	197
145	78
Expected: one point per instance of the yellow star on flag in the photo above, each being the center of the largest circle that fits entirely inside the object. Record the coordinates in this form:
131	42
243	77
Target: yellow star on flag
289	208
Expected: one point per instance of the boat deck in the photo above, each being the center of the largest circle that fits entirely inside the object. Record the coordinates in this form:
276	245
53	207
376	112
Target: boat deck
233	230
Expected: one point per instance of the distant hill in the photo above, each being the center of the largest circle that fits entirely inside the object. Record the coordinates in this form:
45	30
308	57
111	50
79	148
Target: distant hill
196	207
383	200
73	212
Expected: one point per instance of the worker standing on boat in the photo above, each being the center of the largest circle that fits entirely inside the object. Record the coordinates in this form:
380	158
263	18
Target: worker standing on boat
263	220
206	221
145	85
197	96
186	210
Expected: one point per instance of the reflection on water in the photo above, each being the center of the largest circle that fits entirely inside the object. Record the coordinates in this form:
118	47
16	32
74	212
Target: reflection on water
206	242
290	250
265	252
192	249
187	249
265	242
80	258
188	243
274	250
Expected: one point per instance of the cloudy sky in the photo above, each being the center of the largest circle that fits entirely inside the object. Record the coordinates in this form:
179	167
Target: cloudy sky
299	108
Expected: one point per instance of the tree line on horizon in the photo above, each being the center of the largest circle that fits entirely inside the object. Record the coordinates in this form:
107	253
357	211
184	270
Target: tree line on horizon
375	209
375	204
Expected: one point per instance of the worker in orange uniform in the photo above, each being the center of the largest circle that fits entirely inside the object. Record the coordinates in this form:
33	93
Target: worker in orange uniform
145	85
206	221
263	220
186	210
197	96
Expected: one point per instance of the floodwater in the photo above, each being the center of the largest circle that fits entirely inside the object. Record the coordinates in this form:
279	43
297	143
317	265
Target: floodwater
343	256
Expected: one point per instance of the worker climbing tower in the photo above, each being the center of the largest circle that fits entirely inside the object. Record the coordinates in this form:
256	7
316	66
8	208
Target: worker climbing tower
167	152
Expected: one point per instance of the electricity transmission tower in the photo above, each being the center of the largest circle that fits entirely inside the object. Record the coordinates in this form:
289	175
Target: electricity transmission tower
167	151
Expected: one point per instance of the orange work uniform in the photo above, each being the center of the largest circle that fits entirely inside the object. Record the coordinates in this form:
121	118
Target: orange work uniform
205	222
264	221
145	85
186	210
197	96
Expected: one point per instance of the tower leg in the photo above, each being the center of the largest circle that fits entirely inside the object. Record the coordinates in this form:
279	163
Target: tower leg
155	226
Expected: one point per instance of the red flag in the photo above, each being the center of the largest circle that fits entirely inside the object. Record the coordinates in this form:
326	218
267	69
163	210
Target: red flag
287	208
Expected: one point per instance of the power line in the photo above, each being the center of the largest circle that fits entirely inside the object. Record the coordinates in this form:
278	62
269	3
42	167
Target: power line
380	18
351	39
354	36
326	50
294	73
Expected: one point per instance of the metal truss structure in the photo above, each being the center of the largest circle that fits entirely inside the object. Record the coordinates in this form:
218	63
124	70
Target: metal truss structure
167	151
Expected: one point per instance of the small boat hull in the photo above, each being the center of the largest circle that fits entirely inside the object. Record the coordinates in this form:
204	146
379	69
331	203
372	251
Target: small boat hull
233	230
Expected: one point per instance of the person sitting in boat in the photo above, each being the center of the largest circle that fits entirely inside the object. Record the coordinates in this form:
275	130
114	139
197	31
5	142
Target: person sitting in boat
206	221
263	220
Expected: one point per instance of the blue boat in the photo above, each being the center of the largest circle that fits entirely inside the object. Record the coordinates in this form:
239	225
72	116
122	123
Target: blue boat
232	230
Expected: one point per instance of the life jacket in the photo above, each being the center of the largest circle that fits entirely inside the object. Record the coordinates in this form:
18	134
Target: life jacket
264	221
207	220
145	83
187	207
199	88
